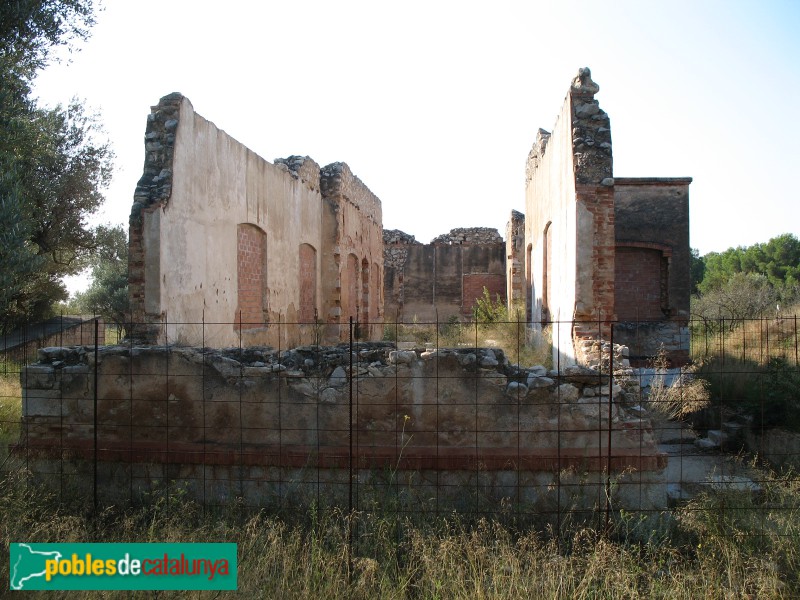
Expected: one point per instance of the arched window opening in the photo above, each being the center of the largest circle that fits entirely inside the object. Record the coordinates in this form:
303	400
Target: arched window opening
308	284
547	253
251	273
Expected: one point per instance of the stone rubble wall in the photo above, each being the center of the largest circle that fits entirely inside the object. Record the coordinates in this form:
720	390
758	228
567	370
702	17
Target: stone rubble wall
464	413
469	235
395	250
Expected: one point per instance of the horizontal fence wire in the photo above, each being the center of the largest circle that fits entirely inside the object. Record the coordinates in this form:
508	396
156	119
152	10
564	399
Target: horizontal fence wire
421	421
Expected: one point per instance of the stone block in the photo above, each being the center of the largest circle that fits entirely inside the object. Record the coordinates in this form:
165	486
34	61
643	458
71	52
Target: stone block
41	377
42	403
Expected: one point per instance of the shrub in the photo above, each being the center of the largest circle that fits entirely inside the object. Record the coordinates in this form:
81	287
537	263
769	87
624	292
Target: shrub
487	311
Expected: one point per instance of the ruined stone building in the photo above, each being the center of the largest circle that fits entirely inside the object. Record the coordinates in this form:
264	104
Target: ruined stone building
227	248
600	251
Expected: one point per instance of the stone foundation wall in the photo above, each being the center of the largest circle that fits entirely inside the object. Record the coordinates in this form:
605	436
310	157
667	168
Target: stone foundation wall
266	422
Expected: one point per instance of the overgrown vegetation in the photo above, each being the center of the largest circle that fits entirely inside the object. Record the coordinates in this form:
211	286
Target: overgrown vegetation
686	395
751	367
493	325
10	407
744	332
717	546
54	163
747	282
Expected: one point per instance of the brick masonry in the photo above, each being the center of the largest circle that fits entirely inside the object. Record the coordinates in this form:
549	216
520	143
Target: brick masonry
251	276
638	280
625	239
473	284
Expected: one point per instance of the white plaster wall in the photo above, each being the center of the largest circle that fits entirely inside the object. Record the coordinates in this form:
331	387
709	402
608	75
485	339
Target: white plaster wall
551	197
217	184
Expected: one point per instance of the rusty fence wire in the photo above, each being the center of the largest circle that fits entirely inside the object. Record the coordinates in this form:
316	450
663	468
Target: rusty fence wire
433	419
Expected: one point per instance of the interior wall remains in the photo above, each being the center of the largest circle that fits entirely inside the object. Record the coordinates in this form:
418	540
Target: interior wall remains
653	266
352	238
550	201
442	280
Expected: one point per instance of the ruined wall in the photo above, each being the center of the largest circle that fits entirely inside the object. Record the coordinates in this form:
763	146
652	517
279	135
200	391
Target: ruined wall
442	279
652	266
352	281
216	234
515	262
551	229
256	423
598	248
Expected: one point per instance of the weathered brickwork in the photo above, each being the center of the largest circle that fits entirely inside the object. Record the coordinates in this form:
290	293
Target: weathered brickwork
515	260
473	284
250	267
308	284
153	191
638	278
351	286
652	221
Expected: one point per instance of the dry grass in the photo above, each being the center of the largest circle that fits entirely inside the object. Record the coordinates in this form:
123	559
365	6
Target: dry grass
10	408
732	546
754	340
686	395
521	345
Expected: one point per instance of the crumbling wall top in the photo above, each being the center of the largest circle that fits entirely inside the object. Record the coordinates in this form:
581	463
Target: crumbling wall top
537	153
469	235
582	84
301	167
591	133
338	181
395	236
155	184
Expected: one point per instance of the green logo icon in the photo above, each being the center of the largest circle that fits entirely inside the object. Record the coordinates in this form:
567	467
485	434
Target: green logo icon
122	566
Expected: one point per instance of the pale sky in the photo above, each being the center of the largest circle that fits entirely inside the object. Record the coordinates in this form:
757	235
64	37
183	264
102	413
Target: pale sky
435	104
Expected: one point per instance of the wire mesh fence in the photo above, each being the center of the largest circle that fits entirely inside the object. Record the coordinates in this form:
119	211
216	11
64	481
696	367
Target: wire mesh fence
483	420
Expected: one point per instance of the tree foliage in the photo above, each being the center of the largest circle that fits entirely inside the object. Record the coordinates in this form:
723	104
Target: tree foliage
30	29
778	260
743	296
697	269
748	281
108	294
53	163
